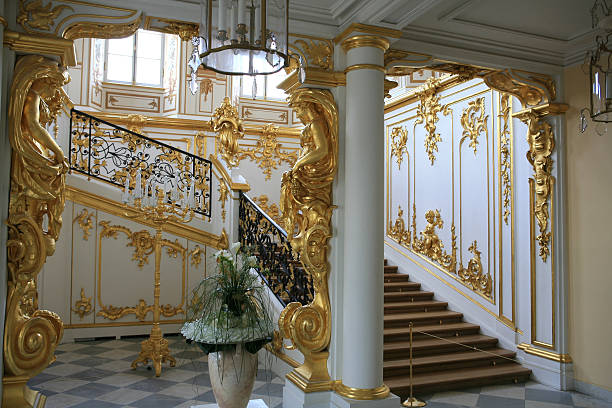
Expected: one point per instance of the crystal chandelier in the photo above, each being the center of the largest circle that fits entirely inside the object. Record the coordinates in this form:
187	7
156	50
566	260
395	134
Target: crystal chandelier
241	37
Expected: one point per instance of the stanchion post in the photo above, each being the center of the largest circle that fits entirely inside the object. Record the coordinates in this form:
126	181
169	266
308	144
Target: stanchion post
412	401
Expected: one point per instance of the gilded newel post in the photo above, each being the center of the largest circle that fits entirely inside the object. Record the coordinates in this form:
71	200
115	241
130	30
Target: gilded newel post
306	206
36	203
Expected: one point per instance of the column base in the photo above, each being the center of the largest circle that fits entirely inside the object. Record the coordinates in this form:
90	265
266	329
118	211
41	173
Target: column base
294	397
391	401
16	394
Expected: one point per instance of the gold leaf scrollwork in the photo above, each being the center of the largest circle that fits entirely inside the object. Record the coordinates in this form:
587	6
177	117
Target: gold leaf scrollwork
36	203
223	196
82	307
541	141
427	113
84	219
399	138
206	86
268	152
505	168
430	245
474	125
269	208
473	275
200	143
196	256
397	230
39	16
318	53
143	245
306	207
228	126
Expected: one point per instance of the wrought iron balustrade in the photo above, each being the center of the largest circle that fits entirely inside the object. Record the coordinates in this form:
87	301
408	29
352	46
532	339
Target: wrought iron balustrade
110	153
283	274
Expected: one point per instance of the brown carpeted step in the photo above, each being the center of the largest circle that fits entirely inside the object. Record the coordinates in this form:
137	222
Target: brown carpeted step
454	330
408	296
416	306
428	346
422	318
401	286
390	268
395	277
449	361
462	378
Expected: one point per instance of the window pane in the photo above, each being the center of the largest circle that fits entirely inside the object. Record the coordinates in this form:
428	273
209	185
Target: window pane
119	68
247	86
272	82
148	44
122	46
148	71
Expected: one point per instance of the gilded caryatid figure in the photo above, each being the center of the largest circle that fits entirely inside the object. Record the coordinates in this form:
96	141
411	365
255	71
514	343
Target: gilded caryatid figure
306	208
36	203
228	126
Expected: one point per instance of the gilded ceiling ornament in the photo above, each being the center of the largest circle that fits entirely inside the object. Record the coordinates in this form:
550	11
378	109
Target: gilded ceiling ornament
318	53
473	275
397	230
84	219
36	198
399	138
228	126
271	209
268	152
472	124
39	16
82	307
223	196
196	256
541	142
306	207
430	245
505	146
427	113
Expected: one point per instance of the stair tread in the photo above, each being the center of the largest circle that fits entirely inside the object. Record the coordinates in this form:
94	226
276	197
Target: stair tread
429	342
433	328
417	303
408	294
457	375
450	357
434	314
401	284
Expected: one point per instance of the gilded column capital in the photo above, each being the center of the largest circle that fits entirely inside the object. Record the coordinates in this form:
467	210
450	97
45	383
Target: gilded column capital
357	41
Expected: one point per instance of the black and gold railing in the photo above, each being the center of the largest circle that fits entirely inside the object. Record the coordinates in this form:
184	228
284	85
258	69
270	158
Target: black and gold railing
282	273
116	155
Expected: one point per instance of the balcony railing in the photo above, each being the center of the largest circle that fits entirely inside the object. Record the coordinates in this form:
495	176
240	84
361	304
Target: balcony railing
283	274
111	153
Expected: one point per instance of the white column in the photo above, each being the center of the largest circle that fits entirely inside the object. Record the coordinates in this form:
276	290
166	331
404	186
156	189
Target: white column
362	331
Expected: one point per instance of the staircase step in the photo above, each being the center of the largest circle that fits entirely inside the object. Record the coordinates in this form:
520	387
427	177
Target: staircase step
390	269
395	277
450	361
422	318
408	296
416	306
462	378
454	330
428	346
401	286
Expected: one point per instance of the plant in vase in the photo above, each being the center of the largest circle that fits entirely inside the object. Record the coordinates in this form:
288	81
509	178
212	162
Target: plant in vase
229	319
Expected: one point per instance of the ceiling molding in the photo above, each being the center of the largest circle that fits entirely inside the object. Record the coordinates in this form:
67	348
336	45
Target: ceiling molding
448	15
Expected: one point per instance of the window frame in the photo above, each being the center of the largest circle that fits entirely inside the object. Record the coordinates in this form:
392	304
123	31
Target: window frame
160	84
265	93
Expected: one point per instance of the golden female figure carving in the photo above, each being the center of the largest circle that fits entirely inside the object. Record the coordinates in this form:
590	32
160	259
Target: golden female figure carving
306	206
36	198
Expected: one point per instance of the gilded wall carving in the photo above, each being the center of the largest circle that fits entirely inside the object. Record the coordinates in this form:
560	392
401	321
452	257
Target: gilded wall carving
228	126
85	220
431	246
427	114
196	256
474	122
306	207
317	53
271	209
269	153
82	306
36	204
473	275
399	138
397	230
505	146
223	196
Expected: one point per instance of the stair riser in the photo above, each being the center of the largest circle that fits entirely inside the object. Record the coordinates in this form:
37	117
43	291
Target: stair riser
388	338
418	351
421	322
399	278
410	309
406	287
407	296
404	371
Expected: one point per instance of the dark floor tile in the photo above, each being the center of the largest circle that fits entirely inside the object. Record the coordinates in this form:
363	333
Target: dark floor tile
93	374
207	397
96	404
473	390
491	401
91	390
189	354
273	390
151	385
91	350
558	397
158	401
91	361
202	380
41	378
434	404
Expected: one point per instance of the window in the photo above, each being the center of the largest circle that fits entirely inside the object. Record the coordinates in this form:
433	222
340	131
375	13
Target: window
137	59
265	88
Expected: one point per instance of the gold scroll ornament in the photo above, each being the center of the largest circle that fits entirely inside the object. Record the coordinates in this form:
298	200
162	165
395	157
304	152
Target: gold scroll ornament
306	207
228	126
427	113
36	203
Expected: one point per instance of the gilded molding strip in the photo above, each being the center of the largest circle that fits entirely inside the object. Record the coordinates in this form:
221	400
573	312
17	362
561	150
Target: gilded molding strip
505	151
276	347
306	206
82	307
549	355
115	208
427	114
364	66
84	219
121	324
36	195
474	125
358	41
399	138
368	29
268	152
361	393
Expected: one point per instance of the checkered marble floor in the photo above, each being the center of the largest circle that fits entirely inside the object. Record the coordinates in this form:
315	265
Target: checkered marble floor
97	374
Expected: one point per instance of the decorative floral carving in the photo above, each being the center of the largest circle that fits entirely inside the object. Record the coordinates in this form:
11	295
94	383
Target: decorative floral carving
399	137
430	245
427	113
196	256
35	15
397	230
318	53
206	87
136	123
473	275
84	219
505	168
142	242
223	196
268	152
82	307
228	126
271	209
474	125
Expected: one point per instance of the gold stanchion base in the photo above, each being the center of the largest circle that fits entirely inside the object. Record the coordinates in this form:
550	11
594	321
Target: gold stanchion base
413	402
155	348
16	394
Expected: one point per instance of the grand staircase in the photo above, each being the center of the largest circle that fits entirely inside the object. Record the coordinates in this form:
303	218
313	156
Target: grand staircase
439	363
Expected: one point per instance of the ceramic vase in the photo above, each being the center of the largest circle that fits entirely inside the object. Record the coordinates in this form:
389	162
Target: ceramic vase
232	376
